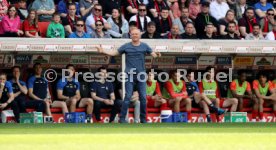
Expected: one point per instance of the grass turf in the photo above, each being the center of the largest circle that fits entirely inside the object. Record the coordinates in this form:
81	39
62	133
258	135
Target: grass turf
138	136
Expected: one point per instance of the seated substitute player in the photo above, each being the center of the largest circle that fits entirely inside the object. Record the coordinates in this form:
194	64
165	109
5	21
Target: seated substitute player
175	92
210	88
103	95
7	96
68	91
154	95
262	87
39	91
200	99
20	91
241	89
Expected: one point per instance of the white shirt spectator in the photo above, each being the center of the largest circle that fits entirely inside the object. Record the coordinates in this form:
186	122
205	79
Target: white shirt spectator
270	36
217	10
89	21
142	20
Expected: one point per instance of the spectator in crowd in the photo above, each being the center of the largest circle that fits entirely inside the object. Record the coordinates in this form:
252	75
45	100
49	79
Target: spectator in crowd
210	34
218	9
68	92
265	92
175	91
7	97
86	7
272	34
267	22
156	7
99	33
151	32
177	5
45	9
79	33
183	20
63	8
247	21
4	5
240	8
164	22
96	15
11	23
22	10
19	88
55	29
231	31
174	34
229	17
69	21
203	18
119	25
241	89
132	25
261	8
131	8
30	25
256	33
109	5
194	9
38	90
134	102
141	18
103	95
154	95
189	31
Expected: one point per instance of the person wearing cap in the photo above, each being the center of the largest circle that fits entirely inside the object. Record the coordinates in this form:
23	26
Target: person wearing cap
272	34
151	32
218	9
209	29
203	18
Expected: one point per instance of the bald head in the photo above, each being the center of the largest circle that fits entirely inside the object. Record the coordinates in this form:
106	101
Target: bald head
135	34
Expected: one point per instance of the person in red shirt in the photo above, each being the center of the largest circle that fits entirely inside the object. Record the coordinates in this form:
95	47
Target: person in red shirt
241	89
30	25
175	92
261	88
210	88
154	95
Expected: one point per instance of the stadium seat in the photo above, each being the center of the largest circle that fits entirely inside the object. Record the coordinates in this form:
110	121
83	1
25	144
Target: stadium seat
43	26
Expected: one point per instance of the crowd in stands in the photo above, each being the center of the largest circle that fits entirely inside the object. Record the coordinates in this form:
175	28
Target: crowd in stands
157	19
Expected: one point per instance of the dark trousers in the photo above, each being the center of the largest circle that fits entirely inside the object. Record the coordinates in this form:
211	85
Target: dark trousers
15	108
38	105
21	101
114	109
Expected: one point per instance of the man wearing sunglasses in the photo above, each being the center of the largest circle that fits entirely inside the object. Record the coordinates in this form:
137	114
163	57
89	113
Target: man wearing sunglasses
267	22
96	15
141	18
79	33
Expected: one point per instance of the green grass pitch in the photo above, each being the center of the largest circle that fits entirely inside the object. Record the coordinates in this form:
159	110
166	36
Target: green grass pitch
223	136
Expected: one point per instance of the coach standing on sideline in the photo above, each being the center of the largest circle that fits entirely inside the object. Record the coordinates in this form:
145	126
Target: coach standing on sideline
135	61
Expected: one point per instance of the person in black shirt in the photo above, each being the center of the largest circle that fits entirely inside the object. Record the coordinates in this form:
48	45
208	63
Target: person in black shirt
210	34
189	31
163	22
203	18
231	35
151	32
109	5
